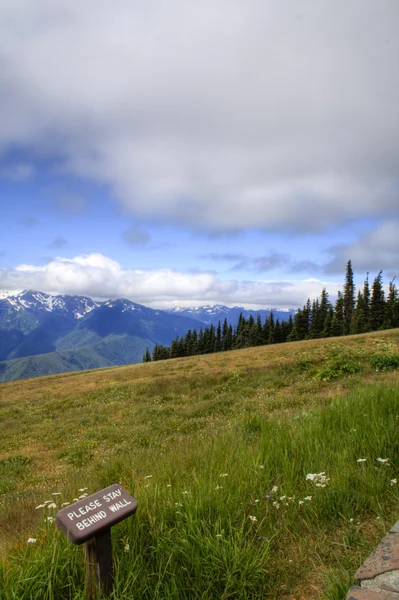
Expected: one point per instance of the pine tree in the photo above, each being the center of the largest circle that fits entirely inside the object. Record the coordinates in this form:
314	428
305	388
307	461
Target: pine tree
218	338
337	325
328	323
392	306
200	343
239	338
227	343
359	316
271	328
277	333
266	331
147	356
287	328
348	299
174	348
367	299
377	304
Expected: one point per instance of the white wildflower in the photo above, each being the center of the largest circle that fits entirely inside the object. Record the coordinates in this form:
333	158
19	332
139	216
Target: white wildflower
31	541
300	502
308	498
219	487
40	506
393	481
65	503
126	548
383	461
319	479
148	477
360	460
52	505
252	518
224	475
56	493
50	519
274	489
82	489
82	496
218	535
283	497
276	504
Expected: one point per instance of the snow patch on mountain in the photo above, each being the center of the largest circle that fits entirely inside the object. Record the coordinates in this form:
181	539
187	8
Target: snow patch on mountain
75	306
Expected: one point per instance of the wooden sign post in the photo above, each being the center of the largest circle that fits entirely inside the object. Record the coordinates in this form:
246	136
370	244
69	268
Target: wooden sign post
89	521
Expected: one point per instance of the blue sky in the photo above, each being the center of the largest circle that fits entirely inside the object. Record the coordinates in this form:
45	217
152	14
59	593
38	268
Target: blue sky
235	153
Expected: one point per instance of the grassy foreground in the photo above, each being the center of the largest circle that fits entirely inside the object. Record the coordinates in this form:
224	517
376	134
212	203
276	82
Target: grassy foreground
217	450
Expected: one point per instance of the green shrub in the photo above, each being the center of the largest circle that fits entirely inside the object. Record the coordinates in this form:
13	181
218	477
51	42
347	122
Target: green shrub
384	361
341	365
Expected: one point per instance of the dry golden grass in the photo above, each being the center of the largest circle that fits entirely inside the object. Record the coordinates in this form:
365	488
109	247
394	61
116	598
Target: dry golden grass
67	426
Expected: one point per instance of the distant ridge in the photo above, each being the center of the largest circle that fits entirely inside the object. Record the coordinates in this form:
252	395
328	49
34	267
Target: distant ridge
212	313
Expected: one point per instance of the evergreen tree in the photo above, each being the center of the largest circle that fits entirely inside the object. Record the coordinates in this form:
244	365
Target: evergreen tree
227	343
359	316
314	319
307	313
377	304
200	343
239	341
277	333
271	328
328	323
337	325
324	310
286	328
174	348
367	300
392	306
266	331
147	356
218	338
194	342
348	299
297	332
258	337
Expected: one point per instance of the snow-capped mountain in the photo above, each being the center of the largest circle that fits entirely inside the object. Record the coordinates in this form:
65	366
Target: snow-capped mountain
41	334
4	294
212	313
74	306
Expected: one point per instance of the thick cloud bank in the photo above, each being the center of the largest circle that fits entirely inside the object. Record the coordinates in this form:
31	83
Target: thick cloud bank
221	115
100	277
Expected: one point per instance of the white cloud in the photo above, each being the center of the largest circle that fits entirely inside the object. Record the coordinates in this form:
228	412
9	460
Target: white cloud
219	115
100	277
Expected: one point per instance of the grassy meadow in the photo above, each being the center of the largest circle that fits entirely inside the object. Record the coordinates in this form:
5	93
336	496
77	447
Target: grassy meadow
269	472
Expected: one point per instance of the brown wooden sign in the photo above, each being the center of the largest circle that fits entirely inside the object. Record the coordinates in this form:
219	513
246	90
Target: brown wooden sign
92	515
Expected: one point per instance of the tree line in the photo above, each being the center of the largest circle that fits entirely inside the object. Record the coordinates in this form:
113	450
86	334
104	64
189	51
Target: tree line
368	310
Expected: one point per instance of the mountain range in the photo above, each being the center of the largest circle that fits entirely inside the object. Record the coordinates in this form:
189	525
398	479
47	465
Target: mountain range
42	334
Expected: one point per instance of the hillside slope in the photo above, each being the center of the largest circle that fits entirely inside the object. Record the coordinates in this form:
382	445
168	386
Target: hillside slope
223	453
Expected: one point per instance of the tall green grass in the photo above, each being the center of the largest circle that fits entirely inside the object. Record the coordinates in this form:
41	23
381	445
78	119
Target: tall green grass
211	523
